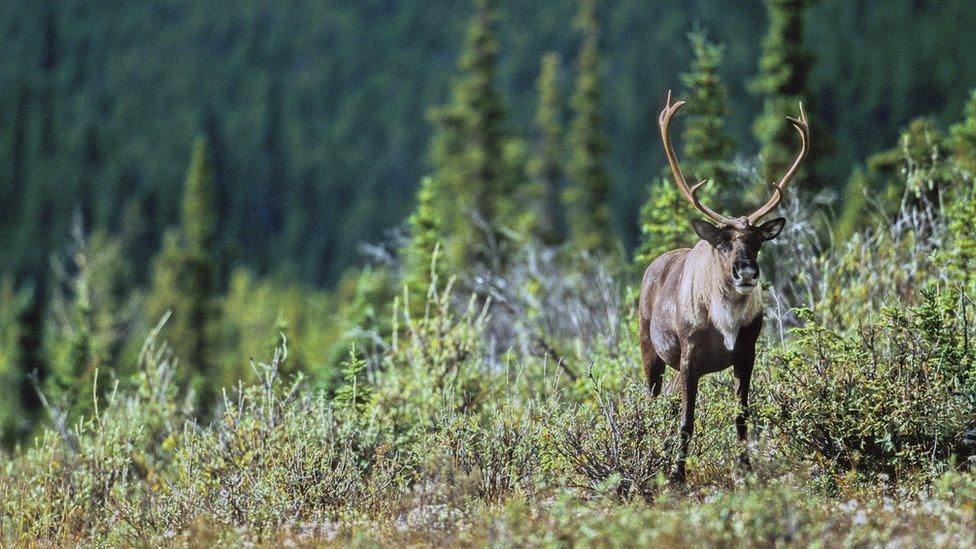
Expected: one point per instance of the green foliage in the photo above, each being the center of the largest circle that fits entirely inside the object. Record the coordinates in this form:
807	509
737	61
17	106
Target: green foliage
274	459
256	312
363	305
443	418
962	137
763	514
664	218
588	193
184	277
91	313
424	431
546	166
122	117
198	217
13	302
783	83
664	224
892	398
354	392
960	251
854	202
473	182
58	490
619	443
486	456
961	201
708	148
421	265
920	161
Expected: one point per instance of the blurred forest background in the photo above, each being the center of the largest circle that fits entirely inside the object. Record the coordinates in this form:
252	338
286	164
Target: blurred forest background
318	119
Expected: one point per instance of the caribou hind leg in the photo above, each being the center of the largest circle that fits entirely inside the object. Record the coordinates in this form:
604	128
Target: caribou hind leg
689	393
653	365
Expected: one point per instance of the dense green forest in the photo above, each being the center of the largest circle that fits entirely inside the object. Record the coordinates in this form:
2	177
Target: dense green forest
367	274
318	113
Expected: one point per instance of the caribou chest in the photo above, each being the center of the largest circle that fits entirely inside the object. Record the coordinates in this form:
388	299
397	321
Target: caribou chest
728	317
705	292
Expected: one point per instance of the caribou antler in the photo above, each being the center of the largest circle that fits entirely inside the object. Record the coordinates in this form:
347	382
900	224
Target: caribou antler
664	120
779	190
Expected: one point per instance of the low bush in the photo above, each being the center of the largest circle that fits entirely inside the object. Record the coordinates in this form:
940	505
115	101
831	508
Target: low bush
486	456
892	398
75	481
625	442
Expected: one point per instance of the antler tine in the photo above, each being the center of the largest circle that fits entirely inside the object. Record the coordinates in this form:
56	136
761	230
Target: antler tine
779	189
664	120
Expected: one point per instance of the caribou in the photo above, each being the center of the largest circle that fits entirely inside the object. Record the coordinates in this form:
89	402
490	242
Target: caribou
701	308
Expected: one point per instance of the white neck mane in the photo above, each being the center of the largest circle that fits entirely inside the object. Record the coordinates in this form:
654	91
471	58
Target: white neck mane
706	289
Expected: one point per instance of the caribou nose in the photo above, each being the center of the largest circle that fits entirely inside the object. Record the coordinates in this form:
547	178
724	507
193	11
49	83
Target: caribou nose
745	271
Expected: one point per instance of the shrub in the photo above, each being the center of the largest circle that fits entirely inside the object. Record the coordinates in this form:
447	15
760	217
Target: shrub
75	481
893	398
276	459
626	442
488	455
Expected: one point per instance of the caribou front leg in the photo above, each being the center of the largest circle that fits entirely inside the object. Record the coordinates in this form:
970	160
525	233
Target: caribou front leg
745	359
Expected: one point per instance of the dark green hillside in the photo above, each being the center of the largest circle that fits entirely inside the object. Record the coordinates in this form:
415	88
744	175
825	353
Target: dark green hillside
317	113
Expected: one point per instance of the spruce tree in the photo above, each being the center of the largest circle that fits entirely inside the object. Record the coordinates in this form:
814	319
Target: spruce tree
708	148
853	204
199	214
91	310
664	223
421	269
961	203
962	137
70	345
184	281
588	211
784	70
706	153
472	182
546	167
13	302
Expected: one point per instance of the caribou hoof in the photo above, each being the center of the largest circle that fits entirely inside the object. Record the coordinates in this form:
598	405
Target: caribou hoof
677	477
744	462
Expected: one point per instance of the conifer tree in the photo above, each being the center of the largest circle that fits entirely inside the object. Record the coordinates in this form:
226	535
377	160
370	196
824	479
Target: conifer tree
707	149
91	310
13	302
784	70
853	202
546	167
421	268
472	182
73	370
588	211
664	223
183	281
962	138
961	206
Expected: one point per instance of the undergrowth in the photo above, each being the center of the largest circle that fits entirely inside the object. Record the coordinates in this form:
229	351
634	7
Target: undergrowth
471	423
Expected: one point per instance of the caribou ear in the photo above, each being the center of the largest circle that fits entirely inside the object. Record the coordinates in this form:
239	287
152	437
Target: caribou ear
707	232
770	229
